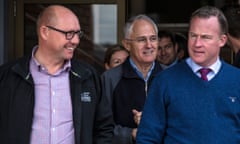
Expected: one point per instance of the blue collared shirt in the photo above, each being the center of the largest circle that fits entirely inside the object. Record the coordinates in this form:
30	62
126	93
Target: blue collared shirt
195	67
139	72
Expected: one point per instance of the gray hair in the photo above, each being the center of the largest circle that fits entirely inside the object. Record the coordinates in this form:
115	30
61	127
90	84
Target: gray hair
129	24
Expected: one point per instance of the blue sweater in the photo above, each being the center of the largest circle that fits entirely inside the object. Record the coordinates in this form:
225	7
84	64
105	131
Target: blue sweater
181	108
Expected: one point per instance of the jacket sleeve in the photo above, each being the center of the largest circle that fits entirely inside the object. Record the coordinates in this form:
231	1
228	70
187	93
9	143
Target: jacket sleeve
122	135
109	80
104	120
103	123
93	119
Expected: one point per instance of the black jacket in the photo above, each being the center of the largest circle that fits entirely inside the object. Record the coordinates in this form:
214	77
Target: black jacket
92	120
126	91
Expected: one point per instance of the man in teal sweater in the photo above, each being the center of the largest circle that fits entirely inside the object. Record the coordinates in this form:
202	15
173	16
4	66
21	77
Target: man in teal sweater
182	108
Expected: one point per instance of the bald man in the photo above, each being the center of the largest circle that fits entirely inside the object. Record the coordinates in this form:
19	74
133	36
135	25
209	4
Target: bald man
50	98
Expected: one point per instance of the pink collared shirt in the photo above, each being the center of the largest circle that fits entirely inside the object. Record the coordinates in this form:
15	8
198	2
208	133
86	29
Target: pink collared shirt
52	119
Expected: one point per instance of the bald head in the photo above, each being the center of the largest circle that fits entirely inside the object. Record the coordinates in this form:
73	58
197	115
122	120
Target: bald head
53	15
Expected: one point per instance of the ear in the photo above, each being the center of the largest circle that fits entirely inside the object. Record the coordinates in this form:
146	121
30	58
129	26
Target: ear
176	47
223	40
106	66
43	32
180	54
125	44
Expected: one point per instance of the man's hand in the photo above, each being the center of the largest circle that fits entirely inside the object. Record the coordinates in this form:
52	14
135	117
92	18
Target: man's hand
134	133
137	116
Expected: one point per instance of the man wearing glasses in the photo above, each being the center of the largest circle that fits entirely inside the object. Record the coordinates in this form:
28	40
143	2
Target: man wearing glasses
126	86
50	98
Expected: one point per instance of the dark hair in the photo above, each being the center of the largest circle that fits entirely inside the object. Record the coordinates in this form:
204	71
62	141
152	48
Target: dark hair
111	50
167	34
232	13
207	12
181	40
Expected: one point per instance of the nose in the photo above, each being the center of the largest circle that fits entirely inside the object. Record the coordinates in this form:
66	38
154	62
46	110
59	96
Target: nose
149	42
75	39
198	41
163	51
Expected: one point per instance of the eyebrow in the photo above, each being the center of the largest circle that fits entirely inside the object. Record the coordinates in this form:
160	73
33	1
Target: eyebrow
201	34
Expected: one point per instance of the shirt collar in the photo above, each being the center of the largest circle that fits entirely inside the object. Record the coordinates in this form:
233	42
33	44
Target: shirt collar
138	71
215	67
66	66
167	66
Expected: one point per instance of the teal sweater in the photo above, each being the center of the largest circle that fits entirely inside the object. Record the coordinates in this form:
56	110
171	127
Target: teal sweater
181	108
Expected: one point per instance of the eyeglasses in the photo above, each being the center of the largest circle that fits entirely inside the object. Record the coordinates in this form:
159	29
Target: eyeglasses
143	40
68	34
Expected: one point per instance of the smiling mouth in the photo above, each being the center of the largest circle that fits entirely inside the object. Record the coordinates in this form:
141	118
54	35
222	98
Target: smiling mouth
148	52
70	48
